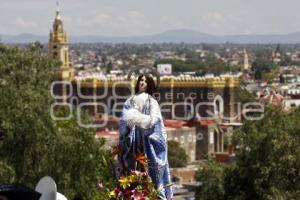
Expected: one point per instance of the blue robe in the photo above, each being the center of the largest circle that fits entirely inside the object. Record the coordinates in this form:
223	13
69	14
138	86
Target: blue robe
145	131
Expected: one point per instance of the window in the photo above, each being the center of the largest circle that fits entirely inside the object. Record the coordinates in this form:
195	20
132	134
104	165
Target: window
192	156
218	105
190	138
182	139
211	137
66	57
176	139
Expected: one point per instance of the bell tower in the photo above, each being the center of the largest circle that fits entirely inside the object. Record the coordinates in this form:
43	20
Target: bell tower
246	60
58	47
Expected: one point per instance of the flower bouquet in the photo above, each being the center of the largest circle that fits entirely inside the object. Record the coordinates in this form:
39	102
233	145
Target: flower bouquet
137	186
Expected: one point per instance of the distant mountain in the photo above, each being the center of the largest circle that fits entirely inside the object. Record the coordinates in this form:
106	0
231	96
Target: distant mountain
176	36
23	38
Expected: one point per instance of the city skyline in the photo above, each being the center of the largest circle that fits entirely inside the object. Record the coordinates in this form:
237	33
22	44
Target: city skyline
132	17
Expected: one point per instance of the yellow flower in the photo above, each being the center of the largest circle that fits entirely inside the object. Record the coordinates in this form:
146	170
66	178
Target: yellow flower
112	193
124	182
132	178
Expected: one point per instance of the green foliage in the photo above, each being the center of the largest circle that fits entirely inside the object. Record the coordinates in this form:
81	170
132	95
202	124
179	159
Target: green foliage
263	53
261	67
211	177
181	66
244	96
176	155
7	174
267	161
194	64
33	145
268	157
269	76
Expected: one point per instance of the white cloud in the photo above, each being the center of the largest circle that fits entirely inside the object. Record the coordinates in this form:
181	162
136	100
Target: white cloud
215	17
25	24
134	17
213	22
217	22
108	21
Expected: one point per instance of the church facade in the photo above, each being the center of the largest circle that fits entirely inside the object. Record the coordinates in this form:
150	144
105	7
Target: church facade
184	98
180	97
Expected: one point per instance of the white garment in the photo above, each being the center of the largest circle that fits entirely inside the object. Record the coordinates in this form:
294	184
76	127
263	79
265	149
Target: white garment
135	117
140	101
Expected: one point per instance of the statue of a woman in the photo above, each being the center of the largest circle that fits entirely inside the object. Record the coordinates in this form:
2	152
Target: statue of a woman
142	134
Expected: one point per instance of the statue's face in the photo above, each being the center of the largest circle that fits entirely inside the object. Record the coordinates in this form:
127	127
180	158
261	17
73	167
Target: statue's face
143	84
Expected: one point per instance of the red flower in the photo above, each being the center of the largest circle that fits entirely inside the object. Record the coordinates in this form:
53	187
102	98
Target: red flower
138	195
146	192
127	193
117	190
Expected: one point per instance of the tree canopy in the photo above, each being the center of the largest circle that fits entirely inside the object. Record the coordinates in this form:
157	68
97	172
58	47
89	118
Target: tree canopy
194	63
176	155
32	144
267	160
264	69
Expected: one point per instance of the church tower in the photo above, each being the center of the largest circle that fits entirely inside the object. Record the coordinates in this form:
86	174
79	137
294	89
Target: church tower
58	48
246	61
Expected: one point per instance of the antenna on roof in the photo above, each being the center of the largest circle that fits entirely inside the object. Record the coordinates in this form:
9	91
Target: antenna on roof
57	8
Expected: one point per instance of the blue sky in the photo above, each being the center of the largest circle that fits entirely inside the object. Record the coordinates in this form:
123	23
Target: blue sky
142	17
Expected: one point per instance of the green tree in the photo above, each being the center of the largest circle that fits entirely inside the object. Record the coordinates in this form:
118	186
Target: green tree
244	96
261	67
262	53
176	155
267	161
32	144
210	65
7	174
268	157
211	181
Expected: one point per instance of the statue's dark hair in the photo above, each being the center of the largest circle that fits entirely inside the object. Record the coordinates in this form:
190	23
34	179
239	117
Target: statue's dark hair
151	88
